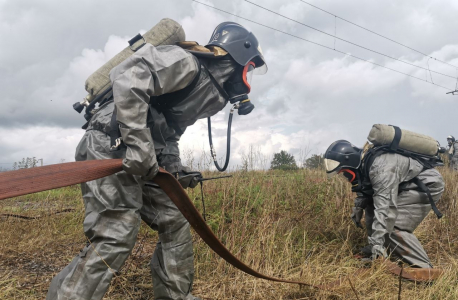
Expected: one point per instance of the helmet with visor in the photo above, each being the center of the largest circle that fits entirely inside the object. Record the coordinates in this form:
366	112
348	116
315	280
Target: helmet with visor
343	157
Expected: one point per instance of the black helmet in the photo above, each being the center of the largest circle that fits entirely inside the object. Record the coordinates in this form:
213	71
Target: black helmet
241	44
451	138
342	154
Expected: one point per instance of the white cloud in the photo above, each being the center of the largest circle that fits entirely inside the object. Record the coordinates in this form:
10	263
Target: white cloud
52	144
310	97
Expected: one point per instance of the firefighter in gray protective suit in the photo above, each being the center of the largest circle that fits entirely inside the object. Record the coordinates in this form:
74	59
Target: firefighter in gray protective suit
452	153
157	93
391	189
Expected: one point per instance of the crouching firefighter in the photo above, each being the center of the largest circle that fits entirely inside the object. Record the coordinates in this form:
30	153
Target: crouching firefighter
452	153
157	93
396	186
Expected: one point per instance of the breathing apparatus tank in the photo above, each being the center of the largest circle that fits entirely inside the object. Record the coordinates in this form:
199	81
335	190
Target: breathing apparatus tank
420	147
98	85
381	135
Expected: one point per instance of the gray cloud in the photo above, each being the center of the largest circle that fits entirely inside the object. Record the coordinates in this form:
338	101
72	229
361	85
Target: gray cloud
309	97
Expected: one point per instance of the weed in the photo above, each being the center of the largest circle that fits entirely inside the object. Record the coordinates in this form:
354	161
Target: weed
291	225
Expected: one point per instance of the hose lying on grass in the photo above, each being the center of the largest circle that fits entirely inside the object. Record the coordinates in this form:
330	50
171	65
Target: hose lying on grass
27	181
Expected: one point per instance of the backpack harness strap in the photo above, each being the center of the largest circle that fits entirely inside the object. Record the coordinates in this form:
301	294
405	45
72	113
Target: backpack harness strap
374	153
115	133
397	138
422	187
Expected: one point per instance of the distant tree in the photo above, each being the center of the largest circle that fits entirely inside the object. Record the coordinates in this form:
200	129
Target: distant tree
315	162
26	163
283	161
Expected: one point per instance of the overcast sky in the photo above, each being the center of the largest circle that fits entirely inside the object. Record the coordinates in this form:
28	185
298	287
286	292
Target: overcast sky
310	97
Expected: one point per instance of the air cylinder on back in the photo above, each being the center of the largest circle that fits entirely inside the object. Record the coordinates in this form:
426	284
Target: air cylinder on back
414	142
166	32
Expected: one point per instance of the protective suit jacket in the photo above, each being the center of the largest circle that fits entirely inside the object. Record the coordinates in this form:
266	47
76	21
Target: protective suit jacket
397	207
116	204
453	156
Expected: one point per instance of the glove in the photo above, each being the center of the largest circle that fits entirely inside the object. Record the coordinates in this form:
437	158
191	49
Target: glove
152	173
189	178
366	251
357	215
140	154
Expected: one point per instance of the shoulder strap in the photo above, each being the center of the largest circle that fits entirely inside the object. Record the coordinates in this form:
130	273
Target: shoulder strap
115	133
371	155
427	161
397	138
422	186
220	89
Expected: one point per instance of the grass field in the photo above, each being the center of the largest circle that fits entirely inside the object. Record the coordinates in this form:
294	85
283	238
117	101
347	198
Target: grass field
292	225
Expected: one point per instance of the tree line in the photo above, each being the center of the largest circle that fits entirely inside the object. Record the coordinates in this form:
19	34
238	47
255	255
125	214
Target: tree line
286	161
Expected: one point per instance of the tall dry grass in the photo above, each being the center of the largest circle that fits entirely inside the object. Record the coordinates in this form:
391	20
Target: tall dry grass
292	225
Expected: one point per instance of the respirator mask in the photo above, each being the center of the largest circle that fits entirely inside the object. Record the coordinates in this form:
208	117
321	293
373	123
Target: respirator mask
238	86
235	90
355	178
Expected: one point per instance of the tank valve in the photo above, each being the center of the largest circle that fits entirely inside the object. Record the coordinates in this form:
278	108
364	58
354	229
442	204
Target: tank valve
79	106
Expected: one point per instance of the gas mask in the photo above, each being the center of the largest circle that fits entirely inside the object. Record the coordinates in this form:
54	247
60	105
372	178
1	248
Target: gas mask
348	174
354	178
238	86
234	90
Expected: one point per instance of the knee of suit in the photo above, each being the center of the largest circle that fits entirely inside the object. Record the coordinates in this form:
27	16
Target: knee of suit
172	218
120	226
175	231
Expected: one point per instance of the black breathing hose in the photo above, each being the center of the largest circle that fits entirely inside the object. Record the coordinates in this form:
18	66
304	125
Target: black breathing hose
228	143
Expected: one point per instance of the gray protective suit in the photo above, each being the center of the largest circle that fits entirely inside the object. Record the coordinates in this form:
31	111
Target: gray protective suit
116	204
453	156
397	207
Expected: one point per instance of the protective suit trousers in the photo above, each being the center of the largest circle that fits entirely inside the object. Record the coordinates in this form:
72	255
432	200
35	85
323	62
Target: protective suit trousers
454	163
115	206
413	206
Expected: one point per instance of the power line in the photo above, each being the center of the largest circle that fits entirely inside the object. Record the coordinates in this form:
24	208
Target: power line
380	35
349	42
321	45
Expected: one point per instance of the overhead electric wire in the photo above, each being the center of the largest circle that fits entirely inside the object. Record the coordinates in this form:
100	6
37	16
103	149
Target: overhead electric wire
349	42
318	44
380	35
